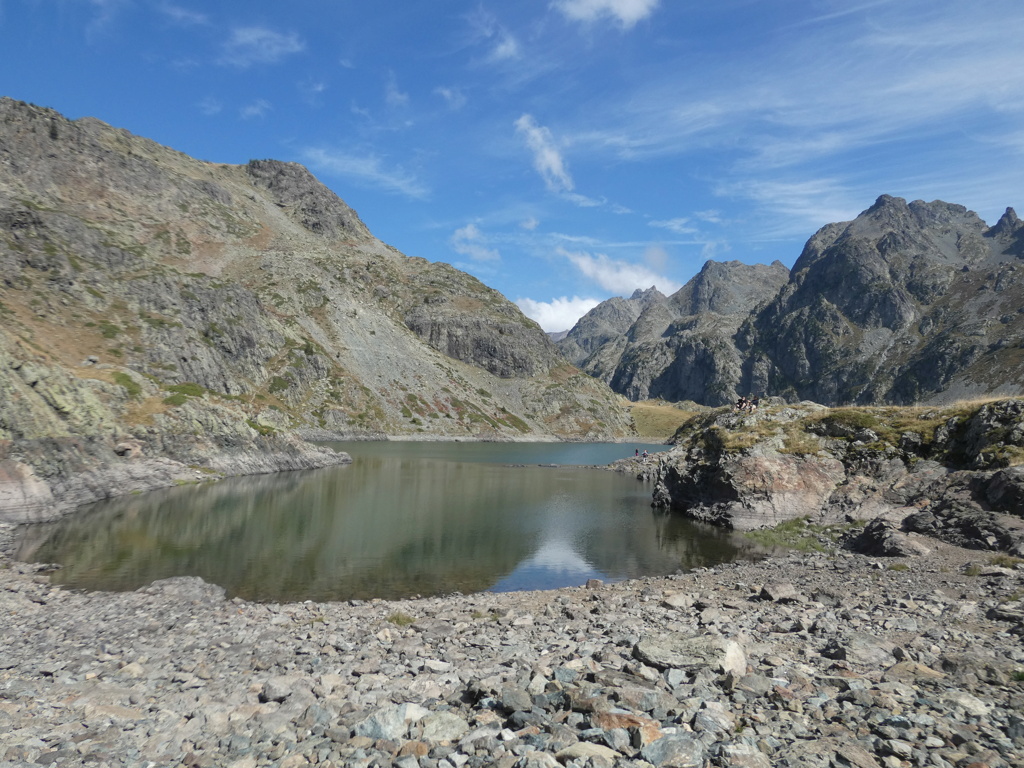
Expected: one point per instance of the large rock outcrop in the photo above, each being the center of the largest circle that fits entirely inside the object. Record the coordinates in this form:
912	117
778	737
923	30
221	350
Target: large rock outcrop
954	473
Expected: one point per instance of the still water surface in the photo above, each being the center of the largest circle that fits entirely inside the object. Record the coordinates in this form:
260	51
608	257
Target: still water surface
404	519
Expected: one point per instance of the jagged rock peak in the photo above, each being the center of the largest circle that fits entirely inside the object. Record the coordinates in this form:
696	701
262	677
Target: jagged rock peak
651	293
886	203
728	287
316	207
1008	223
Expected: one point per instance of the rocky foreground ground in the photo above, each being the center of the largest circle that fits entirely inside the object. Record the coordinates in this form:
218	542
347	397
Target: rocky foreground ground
825	659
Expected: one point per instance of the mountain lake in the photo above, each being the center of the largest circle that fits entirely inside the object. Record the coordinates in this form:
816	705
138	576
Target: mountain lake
404	519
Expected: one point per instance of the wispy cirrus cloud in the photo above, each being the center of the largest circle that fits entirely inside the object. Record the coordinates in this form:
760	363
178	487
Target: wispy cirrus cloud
547	158
185	17
106	11
680	226
506	47
393	95
850	107
453	97
210	106
258	108
550	164
312	90
368	169
559	314
501	44
798	207
470	241
248	46
626	12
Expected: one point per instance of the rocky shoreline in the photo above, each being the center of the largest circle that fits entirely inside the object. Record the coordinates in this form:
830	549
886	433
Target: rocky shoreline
45	479
824	659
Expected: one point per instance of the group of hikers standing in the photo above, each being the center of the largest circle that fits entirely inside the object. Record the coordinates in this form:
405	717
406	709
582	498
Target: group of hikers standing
747	404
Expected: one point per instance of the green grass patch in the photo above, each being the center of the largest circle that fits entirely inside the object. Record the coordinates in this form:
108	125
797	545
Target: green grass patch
260	428
129	384
160	323
278	384
109	330
187	388
400	619
799	534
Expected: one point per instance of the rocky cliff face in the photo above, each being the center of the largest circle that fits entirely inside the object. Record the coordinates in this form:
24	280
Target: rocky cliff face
207	313
910	302
679	347
907	303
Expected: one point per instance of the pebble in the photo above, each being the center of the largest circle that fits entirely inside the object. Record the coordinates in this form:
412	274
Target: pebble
802	660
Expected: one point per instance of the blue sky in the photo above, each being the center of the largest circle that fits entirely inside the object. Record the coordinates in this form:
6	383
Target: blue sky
562	151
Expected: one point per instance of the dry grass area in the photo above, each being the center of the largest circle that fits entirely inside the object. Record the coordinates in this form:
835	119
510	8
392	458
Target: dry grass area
807	435
659	419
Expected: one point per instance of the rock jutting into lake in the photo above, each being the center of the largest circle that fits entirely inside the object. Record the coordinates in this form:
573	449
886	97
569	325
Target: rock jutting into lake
952	472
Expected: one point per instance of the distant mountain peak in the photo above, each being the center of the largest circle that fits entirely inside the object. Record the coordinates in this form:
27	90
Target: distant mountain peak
1008	223
651	293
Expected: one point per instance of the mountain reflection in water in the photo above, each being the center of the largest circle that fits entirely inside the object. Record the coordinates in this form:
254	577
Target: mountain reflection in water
403	519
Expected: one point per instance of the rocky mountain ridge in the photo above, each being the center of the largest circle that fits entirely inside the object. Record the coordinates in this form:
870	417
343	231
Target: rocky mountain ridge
160	308
908	303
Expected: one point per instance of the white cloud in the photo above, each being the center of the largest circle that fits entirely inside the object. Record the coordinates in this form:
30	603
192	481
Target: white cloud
470	241
256	45
258	108
619	277
681	226
506	47
583	201
546	158
106	12
529	224
710	216
558	314
210	106
628	12
488	31
454	97
368	169
311	91
392	95
183	16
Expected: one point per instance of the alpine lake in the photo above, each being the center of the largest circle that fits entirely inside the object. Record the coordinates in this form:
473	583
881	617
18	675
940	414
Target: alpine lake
404	519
